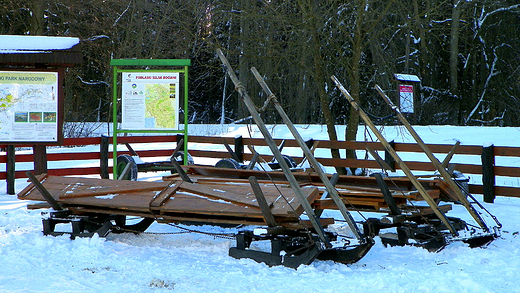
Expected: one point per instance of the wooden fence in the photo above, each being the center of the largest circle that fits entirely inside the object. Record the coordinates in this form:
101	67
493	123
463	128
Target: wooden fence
486	168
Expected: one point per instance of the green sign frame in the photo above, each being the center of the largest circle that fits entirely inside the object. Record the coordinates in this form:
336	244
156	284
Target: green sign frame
181	66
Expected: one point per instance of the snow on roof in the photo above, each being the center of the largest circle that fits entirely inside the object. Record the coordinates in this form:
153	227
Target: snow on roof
407	77
10	44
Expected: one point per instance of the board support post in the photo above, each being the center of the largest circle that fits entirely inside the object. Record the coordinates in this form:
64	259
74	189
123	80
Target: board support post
331	190
397	159
274	149
438	165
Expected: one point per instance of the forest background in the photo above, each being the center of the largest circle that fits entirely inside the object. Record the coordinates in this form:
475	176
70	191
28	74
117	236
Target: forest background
466	53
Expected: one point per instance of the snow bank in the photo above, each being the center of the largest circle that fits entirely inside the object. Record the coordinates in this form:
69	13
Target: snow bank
166	259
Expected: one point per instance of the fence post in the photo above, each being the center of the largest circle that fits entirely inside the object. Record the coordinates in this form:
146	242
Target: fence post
239	148
488	173
388	158
10	168
103	160
179	138
40	159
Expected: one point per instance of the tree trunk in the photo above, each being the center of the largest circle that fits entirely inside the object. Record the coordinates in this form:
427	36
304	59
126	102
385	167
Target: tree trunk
357	49
454	51
320	75
37	18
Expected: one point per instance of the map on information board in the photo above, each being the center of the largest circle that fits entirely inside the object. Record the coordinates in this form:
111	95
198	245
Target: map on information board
150	100
28	106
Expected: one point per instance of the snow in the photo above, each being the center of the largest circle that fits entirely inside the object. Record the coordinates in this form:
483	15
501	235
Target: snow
407	77
34	44
171	259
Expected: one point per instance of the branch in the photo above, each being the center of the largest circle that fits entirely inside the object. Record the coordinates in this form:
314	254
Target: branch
123	13
492	73
93	82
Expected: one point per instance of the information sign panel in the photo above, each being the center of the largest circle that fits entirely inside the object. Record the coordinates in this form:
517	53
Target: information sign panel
150	100
406	98
28	106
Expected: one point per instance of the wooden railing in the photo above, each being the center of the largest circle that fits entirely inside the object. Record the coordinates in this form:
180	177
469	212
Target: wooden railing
485	168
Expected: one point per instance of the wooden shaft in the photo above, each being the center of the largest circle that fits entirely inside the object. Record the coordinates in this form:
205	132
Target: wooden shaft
274	149
448	157
447	177
262	202
44	192
398	160
310	157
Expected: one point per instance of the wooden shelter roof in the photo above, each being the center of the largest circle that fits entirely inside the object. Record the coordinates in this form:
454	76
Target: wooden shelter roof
32	50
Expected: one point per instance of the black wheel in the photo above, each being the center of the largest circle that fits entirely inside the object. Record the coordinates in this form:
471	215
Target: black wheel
179	157
124	160
228	163
288	160
138	226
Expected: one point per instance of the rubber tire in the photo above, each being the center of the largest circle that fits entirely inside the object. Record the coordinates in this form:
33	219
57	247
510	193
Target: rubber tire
228	163
288	160
122	161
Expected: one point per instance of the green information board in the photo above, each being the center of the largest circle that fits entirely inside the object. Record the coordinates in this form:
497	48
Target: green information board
150	98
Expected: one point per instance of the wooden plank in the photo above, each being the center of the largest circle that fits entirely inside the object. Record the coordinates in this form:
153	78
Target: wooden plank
445	189
24	193
499	190
224	193
428	211
350	203
81	189
160	198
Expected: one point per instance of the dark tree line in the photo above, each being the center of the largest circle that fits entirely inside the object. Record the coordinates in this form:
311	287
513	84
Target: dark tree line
467	54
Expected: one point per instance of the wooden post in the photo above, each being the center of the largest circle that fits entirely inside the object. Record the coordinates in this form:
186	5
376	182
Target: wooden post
239	148
488	173
388	158
10	168
447	177
274	149
40	159
420	188
312	160
179	138
103	160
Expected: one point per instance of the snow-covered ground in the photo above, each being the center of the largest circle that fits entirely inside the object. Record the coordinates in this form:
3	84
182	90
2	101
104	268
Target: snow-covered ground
167	260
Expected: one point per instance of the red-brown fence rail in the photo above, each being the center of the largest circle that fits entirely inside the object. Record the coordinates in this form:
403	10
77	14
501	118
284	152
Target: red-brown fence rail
486	167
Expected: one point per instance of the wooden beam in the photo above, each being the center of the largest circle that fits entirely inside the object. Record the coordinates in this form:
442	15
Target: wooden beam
274	149
488	173
447	160
11	170
447	177
262	202
396	157
44	192
310	156
103	160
